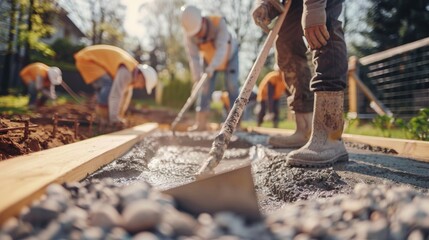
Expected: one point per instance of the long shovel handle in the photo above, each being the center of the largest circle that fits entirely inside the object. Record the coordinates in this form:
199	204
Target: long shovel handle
189	101
222	139
70	91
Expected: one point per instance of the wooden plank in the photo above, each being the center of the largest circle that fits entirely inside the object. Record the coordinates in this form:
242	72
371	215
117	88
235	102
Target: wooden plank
394	51
25	178
417	150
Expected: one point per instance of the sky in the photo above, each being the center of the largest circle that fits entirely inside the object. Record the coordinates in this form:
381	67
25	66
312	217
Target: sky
132	17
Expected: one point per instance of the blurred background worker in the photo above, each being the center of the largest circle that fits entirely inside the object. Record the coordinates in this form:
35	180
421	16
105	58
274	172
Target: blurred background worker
40	78
113	73
209	36
271	89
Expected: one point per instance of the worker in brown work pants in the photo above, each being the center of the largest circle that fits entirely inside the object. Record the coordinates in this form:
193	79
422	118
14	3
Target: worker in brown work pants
319	117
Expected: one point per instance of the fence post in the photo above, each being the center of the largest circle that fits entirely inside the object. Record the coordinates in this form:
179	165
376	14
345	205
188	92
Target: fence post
352	88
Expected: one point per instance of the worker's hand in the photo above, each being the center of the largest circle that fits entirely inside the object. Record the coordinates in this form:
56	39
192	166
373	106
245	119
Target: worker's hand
316	36
261	17
209	71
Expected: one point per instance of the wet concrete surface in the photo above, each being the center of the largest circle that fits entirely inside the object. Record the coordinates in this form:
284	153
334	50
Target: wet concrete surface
166	161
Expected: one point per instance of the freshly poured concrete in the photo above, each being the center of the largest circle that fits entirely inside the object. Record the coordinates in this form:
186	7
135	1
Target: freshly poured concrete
166	161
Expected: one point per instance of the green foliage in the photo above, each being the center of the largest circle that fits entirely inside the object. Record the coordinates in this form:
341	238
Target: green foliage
418	126
393	23
12	104
40	16
384	123
175	93
65	50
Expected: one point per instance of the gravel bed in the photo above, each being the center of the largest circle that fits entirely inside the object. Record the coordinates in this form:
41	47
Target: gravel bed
102	209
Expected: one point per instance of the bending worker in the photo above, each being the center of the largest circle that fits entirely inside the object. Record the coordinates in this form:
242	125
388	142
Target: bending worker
271	89
40	78
113	73
209	36
319	116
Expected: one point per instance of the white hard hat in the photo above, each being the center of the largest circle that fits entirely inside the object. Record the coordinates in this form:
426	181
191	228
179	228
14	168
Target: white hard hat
191	19
55	76
150	76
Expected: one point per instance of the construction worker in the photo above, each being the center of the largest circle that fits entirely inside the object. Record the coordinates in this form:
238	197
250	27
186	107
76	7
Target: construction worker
271	89
209	36
319	116
40	78
113	73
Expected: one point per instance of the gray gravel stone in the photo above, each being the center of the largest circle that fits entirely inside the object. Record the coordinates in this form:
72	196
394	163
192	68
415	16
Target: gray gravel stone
178	223
141	215
104	216
145	236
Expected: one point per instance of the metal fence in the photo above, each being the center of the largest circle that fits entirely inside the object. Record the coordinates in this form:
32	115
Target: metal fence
398	80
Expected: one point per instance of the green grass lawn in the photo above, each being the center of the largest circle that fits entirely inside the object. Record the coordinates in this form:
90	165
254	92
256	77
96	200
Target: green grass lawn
12	104
352	128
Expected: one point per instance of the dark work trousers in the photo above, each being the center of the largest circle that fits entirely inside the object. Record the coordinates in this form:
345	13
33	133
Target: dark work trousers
330	61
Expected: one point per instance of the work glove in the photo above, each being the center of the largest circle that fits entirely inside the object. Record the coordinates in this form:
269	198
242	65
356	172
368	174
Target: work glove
210	71
317	36
314	24
263	14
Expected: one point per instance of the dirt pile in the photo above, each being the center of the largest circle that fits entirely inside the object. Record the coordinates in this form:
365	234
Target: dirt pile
15	141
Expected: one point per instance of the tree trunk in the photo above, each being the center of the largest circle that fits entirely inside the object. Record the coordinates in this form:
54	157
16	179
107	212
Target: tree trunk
9	52
26	60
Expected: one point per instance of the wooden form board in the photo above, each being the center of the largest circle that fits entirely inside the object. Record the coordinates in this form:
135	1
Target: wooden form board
418	150
25	178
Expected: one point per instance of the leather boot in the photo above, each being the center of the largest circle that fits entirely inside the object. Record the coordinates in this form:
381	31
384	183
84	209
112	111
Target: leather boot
299	138
325	146
200	123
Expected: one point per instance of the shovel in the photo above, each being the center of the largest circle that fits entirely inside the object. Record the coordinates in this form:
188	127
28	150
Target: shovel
70	91
229	190
189	101
222	139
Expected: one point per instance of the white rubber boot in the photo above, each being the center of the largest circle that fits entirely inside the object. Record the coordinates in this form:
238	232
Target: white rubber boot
325	146
299	138
200	123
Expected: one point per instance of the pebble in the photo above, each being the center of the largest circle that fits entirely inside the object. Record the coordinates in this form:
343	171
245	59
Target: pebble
104	216
140	212
141	215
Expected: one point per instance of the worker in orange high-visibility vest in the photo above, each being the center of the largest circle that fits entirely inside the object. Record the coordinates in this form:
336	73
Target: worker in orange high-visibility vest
208	36
113	73
40	78
271	89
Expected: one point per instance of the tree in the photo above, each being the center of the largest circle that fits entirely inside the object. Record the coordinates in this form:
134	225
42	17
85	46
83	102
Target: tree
162	30
10	48
391	23
28	22
103	20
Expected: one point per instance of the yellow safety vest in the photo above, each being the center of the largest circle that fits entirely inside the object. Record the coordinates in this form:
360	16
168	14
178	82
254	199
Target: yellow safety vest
208	49
97	60
31	71
275	78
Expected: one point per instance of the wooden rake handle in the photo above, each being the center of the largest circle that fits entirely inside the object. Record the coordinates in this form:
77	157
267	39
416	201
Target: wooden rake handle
189	101
222	139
